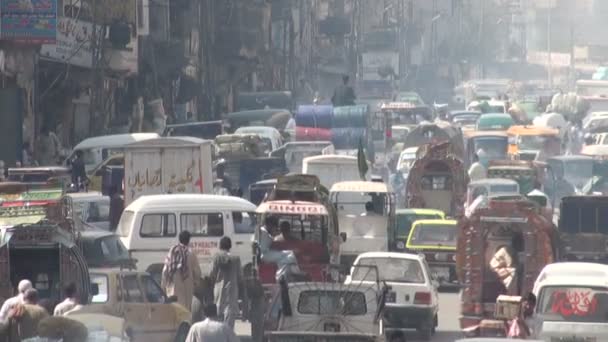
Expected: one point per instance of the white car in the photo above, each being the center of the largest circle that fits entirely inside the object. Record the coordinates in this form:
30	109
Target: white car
572	302
412	301
92	208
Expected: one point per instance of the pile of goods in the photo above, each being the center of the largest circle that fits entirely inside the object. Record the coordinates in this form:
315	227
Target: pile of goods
343	126
313	123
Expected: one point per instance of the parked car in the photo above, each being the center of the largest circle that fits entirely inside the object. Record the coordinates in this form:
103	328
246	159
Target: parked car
104	249
150	315
412	301
92	208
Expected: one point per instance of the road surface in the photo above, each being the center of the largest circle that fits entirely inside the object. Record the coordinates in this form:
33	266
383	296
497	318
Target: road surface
448	330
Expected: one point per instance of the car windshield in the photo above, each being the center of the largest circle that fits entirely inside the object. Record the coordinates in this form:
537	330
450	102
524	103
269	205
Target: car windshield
405	221
440	235
466	119
106	250
305	227
397	270
493	147
354	203
504	189
406	161
93	212
90	156
531	142
573	304
125	224
327	302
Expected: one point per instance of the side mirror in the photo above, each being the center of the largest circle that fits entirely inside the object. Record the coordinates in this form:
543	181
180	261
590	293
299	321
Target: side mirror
171	299
94	289
343	236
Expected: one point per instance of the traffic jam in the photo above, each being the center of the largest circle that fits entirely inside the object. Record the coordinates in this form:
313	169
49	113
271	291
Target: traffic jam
400	221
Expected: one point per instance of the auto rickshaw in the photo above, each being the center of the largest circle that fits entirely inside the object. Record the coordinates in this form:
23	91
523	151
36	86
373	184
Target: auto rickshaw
438	180
515	227
528	142
303	202
434	133
494	144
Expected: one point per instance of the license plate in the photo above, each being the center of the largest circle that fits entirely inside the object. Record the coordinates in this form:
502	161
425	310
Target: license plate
441	273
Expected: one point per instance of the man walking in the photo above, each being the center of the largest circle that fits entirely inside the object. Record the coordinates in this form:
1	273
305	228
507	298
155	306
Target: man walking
228	279
344	95
181	272
10	303
24	318
210	330
70	301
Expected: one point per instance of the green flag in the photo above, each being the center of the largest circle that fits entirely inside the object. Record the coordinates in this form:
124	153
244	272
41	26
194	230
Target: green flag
361	160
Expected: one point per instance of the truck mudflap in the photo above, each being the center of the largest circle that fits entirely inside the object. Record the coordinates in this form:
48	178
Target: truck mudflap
318	336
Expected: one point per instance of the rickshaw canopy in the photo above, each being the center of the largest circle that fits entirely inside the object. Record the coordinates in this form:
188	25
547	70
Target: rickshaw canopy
292	208
359	186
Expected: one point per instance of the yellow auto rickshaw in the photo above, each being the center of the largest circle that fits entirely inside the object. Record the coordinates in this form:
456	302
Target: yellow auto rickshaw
527	142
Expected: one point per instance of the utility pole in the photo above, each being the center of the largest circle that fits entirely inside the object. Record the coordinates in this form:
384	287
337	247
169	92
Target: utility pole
482	40
572	45
549	63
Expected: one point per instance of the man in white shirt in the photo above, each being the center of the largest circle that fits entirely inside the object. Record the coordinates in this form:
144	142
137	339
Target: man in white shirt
210	330
10	303
70	301
477	171
285	260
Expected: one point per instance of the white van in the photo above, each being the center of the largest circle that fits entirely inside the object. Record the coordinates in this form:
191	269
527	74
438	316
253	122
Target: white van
150	226
97	149
572	302
332	168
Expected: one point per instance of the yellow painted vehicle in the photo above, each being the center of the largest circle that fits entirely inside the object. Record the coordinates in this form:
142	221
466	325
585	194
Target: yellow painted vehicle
527	142
404	219
96	175
437	240
149	314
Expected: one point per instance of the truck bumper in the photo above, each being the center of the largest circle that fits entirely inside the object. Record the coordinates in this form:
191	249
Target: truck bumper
407	317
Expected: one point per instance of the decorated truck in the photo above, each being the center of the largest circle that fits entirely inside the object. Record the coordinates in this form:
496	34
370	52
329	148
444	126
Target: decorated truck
38	242
489	286
438	180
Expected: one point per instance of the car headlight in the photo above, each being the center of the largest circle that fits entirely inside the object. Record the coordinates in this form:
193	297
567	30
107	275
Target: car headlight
400	245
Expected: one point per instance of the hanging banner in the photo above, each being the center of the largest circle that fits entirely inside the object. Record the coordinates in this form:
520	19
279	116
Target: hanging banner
74	43
31	21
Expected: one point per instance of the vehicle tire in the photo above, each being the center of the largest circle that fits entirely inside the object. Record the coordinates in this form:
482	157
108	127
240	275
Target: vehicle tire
426	331
182	333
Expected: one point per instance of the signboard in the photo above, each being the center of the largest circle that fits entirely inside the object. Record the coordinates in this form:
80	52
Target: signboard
49	195
542	58
31	21
74	43
292	208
